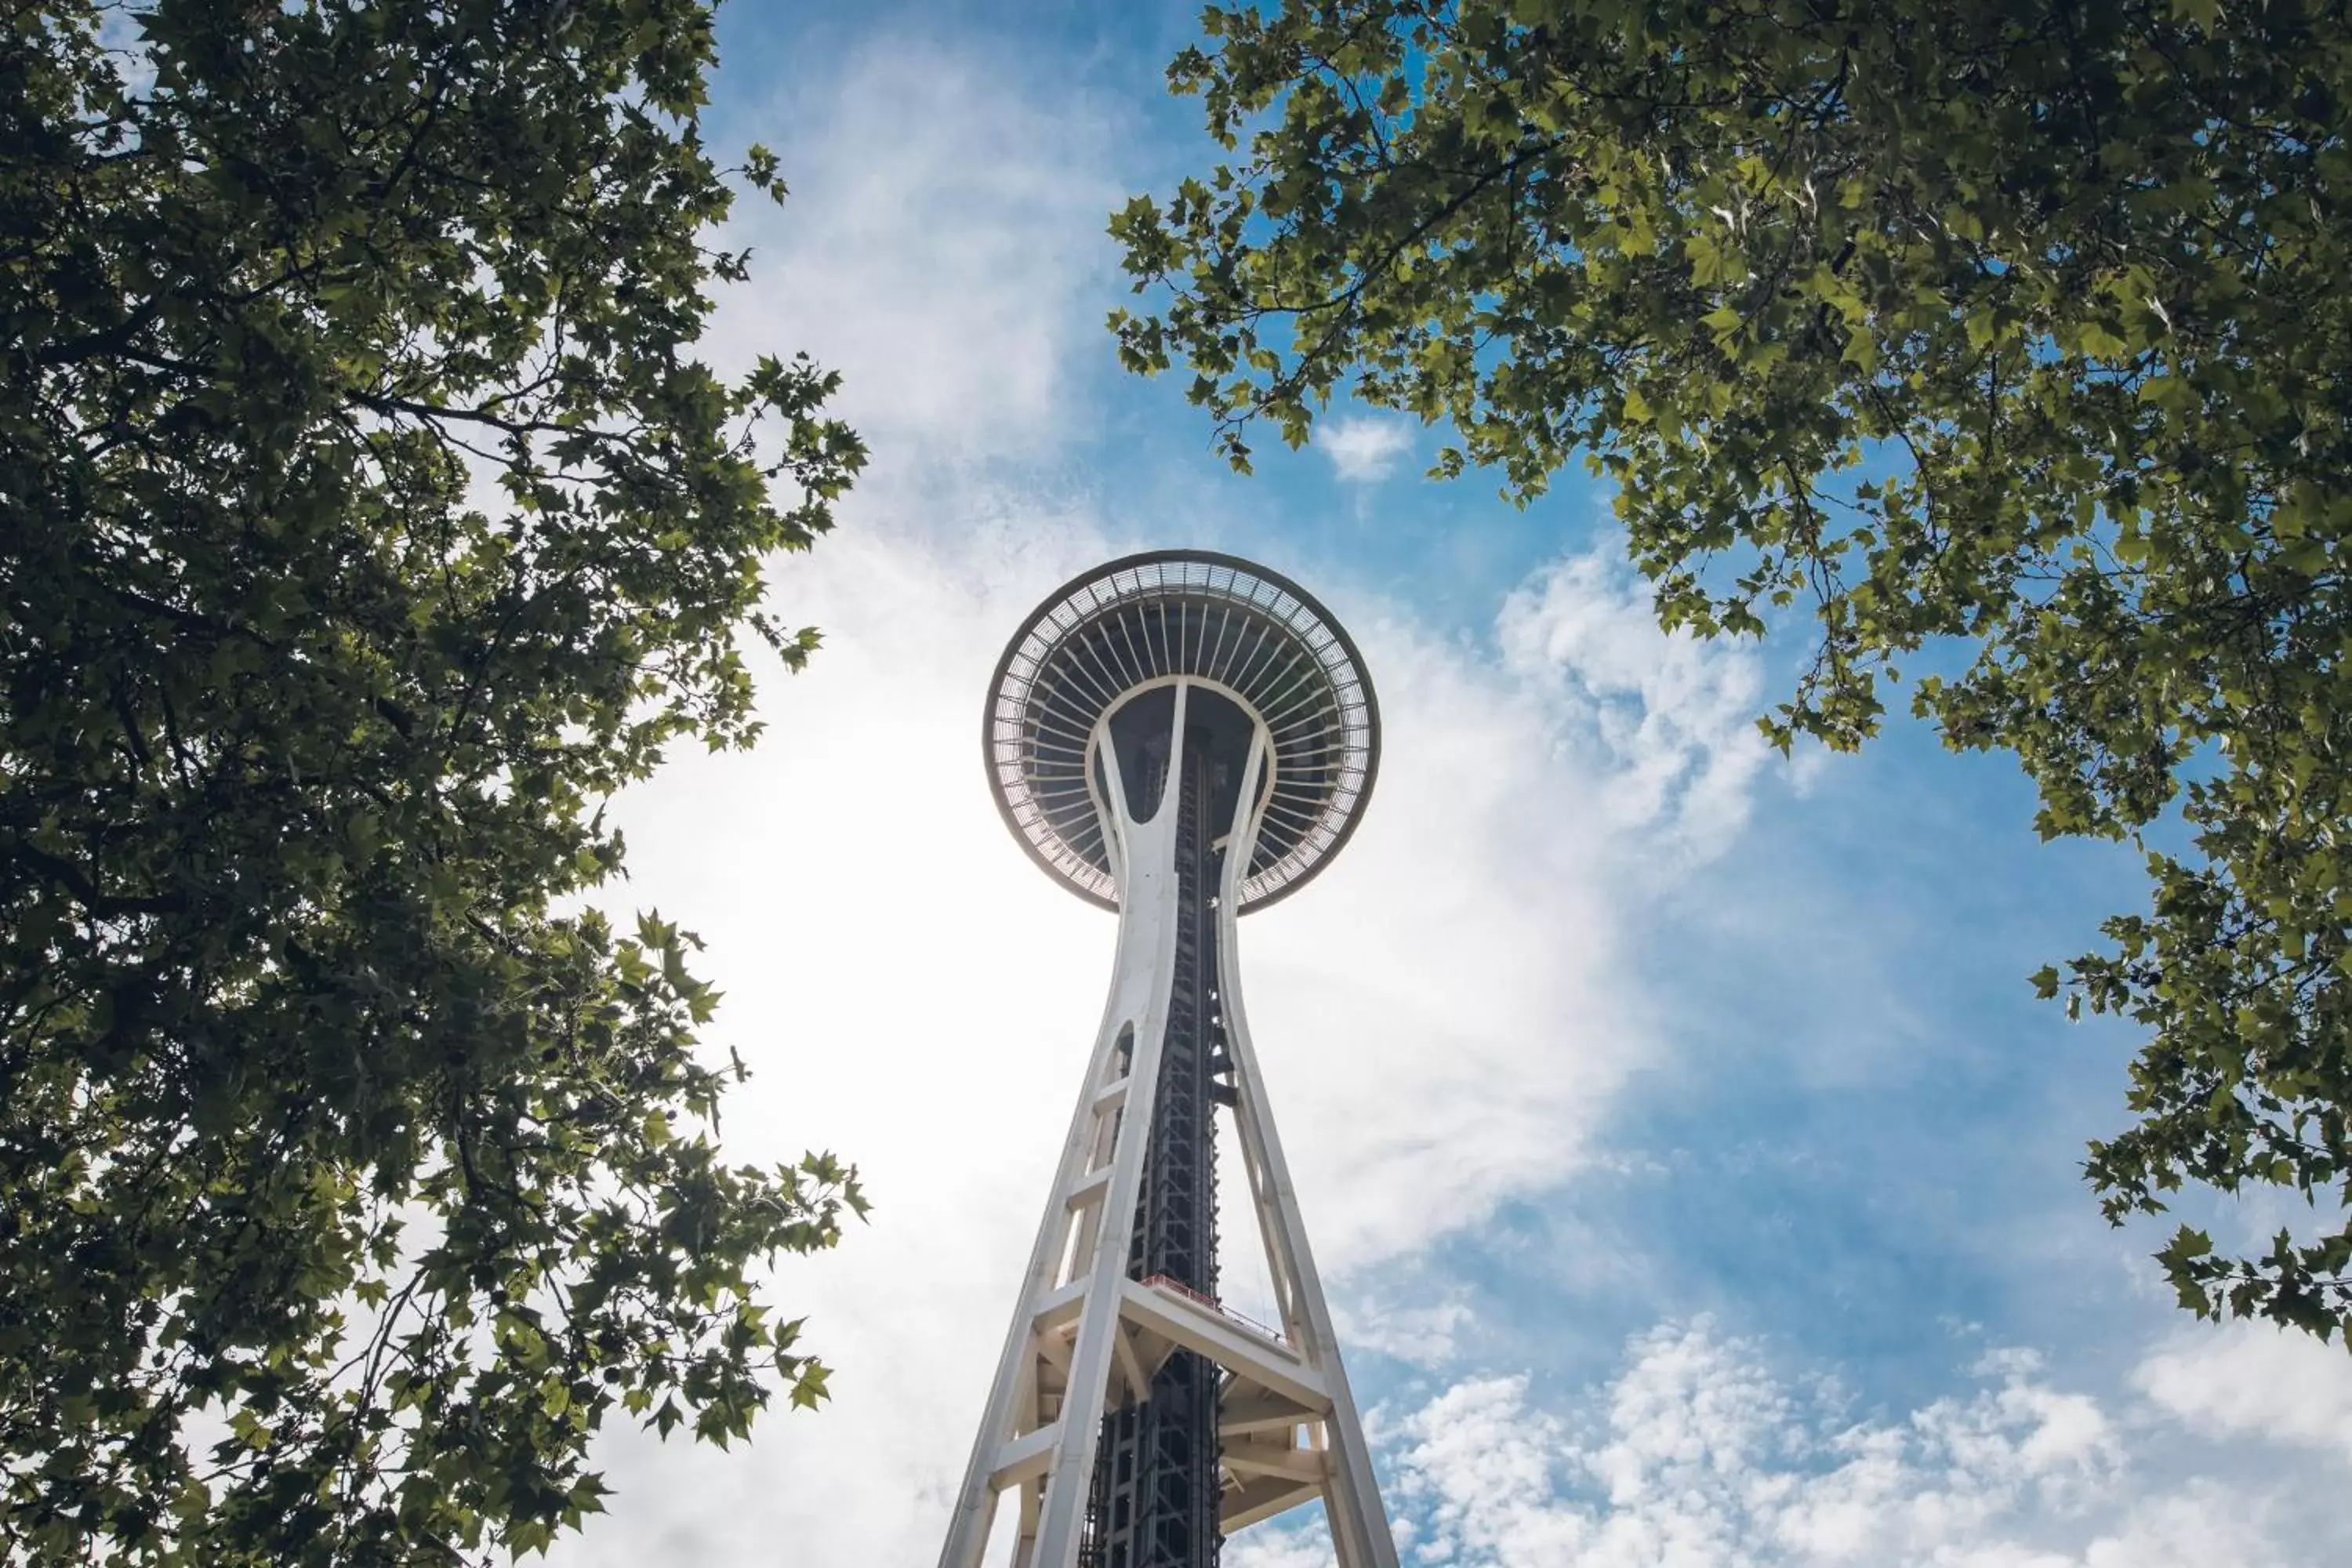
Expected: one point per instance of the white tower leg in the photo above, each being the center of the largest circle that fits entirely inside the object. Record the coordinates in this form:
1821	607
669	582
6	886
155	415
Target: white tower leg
1352	1500
1083	1337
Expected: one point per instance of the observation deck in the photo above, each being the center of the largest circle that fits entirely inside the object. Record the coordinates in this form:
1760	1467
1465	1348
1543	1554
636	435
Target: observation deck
1152	621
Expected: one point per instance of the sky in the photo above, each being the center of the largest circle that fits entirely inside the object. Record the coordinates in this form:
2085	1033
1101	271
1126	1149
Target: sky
1694	1176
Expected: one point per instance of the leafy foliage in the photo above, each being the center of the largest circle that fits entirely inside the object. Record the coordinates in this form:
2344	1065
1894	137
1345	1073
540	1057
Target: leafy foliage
2017	328
368	520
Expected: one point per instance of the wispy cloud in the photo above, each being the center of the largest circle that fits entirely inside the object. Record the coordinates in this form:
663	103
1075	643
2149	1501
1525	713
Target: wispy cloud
1364	449
1420	1334
942	248
1674	715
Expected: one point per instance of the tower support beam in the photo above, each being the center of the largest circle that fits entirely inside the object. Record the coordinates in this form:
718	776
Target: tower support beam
1180	742
1080	1285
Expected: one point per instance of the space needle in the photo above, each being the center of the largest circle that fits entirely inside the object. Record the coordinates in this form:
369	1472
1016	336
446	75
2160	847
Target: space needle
1182	737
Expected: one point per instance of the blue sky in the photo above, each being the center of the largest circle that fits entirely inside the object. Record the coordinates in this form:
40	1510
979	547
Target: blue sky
1696	1176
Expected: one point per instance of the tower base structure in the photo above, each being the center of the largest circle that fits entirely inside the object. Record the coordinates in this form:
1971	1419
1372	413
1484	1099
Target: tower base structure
1182	737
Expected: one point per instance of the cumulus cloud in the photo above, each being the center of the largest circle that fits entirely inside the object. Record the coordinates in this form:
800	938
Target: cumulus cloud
1303	1546
1364	449
1697	1455
2256	1380
1446	1019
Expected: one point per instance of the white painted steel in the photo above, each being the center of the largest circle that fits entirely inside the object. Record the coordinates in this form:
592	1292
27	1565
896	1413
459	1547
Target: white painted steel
1143	974
1352	1497
1280	653
1082	1335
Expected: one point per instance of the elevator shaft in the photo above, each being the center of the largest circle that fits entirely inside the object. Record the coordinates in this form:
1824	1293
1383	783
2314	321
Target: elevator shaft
1153	1502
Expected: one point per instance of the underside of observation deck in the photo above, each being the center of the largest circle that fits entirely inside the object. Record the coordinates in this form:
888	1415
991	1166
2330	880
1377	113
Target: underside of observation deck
1147	621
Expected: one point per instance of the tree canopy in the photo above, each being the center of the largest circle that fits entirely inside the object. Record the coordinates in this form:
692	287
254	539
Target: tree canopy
366	519
2008	338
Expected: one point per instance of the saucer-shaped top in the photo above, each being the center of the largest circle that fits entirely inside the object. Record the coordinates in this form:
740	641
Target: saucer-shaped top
1144	621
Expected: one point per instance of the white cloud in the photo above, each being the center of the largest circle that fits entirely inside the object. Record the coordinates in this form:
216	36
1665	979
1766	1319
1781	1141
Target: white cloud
1363	449
1445	1016
1675	716
1698	1455
1298	1546
1424	1335
2200	1525
2253	1380
942	247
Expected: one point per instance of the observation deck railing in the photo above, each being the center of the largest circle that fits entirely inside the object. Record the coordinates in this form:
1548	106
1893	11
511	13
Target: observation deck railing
1239	1320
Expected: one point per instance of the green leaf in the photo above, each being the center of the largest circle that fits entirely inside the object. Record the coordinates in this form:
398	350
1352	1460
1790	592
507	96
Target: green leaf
2092	363
372	514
